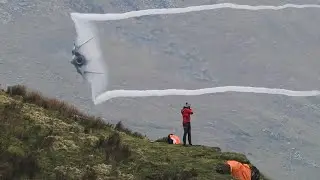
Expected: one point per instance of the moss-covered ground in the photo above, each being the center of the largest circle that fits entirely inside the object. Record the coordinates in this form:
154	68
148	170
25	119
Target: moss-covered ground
43	138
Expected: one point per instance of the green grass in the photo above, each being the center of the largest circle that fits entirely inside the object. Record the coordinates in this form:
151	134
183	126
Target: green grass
43	138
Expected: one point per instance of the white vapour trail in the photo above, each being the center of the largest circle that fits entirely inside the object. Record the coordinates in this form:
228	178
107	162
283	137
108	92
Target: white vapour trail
167	92
101	97
146	12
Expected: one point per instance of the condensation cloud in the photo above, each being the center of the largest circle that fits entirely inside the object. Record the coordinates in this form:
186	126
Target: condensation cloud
100	92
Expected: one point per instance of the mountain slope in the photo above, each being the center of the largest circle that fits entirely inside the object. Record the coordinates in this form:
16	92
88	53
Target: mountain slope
45	138
276	49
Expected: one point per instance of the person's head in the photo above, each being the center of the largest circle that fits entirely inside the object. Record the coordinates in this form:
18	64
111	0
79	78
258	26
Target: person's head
223	168
187	105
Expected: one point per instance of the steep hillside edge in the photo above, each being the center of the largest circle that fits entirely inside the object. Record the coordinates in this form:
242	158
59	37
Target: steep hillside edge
44	138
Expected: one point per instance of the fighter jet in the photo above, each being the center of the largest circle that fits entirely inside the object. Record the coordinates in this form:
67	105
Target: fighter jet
79	60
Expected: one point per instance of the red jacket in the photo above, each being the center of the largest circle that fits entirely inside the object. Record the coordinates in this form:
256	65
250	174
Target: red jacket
186	112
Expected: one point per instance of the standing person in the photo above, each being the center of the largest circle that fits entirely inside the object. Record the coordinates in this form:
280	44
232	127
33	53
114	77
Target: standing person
186	112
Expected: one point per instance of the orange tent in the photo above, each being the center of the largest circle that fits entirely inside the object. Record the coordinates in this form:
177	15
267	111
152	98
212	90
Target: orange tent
240	171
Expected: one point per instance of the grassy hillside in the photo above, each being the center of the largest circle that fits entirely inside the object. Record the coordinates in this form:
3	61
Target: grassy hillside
44	138
275	49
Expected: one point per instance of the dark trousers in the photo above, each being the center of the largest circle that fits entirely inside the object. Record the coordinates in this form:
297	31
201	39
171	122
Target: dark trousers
170	141
187	131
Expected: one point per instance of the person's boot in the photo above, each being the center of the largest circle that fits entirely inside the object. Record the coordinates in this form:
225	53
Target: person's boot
189	140
184	143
